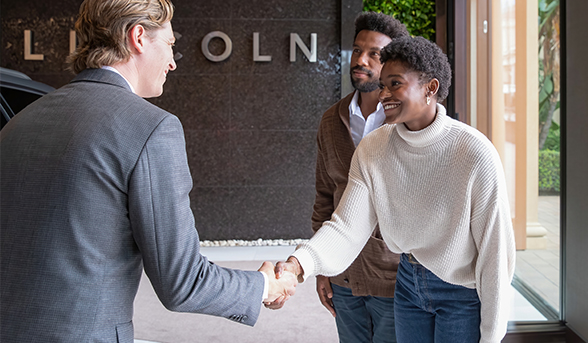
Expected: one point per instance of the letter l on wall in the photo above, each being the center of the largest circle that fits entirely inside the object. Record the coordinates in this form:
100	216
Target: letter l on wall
28	44
256	56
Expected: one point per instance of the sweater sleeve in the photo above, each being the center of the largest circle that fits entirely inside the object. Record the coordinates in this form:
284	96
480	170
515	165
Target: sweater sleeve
340	240
492	231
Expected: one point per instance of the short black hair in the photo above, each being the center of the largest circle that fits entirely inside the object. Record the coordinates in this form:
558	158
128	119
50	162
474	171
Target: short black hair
423	56
379	22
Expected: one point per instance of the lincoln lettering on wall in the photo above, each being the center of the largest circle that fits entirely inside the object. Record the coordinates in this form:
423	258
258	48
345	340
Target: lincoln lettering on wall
295	42
253	79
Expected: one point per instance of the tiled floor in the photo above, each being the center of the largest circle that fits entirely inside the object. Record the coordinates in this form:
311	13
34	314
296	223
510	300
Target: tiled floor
539	269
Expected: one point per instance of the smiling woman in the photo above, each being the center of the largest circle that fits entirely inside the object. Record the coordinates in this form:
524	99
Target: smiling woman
436	188
415	73
405	99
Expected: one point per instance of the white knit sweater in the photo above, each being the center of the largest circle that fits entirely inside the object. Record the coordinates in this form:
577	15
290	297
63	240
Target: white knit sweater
439	194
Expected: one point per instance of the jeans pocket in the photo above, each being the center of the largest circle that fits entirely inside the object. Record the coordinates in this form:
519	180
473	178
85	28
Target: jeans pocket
124	333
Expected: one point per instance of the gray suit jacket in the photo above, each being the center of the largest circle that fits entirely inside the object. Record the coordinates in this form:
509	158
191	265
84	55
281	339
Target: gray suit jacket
94	186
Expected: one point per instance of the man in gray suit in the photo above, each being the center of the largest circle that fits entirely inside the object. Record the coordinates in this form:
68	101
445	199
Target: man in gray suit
94	188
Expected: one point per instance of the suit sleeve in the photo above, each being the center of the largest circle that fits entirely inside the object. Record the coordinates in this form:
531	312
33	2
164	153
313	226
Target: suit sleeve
164	230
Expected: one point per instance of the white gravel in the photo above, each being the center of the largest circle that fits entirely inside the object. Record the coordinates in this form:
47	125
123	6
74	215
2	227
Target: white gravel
259	242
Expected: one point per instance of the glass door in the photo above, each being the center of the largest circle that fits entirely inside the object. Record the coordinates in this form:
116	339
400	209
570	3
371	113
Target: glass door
513	98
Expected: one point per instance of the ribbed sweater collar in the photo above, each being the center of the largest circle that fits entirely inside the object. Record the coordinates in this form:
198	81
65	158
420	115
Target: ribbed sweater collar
429	135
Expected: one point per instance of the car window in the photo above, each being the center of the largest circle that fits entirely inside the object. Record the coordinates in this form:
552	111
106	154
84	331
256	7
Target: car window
17	99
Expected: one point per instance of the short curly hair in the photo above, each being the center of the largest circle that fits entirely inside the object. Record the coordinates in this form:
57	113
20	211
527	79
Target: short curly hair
379	22
423	56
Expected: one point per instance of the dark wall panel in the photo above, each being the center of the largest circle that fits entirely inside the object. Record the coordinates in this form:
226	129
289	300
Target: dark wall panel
250	126
574	90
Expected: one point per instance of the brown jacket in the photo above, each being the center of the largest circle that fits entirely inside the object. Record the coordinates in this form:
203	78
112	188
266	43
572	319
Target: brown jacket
374	270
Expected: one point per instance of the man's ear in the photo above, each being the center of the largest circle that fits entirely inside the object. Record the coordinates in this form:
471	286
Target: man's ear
137	36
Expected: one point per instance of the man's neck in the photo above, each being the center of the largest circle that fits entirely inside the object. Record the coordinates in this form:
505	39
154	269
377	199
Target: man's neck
129	71
368	102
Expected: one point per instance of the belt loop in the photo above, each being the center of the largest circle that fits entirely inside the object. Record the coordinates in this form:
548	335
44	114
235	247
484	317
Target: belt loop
412	259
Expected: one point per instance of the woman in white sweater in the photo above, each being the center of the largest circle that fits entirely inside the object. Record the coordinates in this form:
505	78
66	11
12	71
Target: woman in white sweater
436	187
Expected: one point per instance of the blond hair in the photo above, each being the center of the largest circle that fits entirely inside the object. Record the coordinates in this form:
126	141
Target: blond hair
103	25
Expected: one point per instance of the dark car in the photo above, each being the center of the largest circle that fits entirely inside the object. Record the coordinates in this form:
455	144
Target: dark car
17	91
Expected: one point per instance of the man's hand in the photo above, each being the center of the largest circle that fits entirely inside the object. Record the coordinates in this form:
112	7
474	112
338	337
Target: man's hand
325	292
280	289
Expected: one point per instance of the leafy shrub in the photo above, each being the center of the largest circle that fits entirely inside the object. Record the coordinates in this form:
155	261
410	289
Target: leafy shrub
553	139
417	15
549	172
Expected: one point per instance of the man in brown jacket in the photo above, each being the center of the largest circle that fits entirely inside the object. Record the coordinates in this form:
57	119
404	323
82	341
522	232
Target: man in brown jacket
361	298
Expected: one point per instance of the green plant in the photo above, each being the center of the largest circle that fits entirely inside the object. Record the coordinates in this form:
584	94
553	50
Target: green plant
553	139
549	173
417	15
549	64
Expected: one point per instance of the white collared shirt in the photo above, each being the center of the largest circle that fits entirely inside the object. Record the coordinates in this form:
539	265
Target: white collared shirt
360	127
118	72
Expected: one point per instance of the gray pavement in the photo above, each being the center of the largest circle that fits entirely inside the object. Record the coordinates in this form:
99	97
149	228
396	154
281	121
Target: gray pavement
539	269
302	319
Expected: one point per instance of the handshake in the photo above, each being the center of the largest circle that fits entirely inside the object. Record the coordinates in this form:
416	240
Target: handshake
283	279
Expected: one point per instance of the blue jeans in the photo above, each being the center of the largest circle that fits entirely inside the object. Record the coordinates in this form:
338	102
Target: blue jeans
429	309
363	319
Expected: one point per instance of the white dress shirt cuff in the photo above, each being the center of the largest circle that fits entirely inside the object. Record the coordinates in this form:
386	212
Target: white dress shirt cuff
265	287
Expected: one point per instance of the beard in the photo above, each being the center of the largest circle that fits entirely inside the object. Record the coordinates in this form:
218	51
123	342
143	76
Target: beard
364	87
